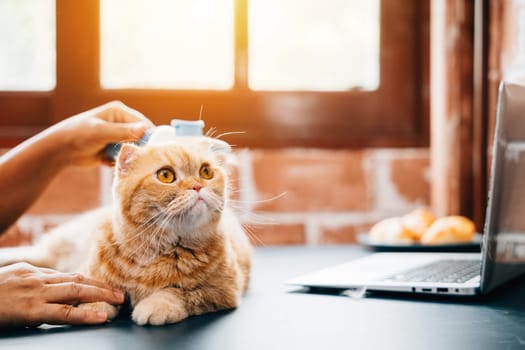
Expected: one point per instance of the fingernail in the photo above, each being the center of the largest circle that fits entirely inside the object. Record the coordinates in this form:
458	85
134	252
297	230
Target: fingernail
139	126
139	129
102	315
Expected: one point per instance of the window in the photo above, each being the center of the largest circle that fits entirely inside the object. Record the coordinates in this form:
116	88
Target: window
330	45
27	45
331	73
185	44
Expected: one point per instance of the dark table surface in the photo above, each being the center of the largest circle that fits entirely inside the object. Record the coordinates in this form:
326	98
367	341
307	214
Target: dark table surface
275	316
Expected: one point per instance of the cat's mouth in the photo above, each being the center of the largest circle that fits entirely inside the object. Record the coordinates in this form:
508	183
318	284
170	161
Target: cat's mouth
198	201
195	205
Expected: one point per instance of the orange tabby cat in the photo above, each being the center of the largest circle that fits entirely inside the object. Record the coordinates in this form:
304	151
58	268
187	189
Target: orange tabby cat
169	240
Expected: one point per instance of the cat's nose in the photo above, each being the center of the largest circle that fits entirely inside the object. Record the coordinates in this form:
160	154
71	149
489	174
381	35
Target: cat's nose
196	187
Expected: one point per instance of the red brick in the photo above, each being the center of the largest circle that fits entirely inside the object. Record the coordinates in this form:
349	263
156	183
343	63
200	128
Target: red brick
410	178
313	180
74	190
15	236
342	234
265	235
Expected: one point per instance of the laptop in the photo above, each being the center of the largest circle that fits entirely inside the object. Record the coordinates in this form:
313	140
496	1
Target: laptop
502	256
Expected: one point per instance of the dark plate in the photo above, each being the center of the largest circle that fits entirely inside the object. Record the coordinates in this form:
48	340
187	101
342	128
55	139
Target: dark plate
474	246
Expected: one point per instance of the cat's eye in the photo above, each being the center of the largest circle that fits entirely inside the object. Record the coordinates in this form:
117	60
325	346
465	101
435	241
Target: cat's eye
166	175
205	172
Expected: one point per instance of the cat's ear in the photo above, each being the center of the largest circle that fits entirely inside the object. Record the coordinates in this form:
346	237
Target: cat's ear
222	150
125	157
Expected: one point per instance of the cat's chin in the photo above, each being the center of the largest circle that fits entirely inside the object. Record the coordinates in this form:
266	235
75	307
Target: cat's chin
198	215
199	204
200	211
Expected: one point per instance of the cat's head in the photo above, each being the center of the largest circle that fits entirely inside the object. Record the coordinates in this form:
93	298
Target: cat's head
179	187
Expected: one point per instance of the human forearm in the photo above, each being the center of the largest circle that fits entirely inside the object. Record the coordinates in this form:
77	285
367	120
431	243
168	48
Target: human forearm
25	171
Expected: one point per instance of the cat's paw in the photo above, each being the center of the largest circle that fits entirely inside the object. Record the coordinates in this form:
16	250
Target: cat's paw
157	311
110	310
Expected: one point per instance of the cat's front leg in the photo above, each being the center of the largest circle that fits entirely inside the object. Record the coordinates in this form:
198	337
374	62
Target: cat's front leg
162	307
101	306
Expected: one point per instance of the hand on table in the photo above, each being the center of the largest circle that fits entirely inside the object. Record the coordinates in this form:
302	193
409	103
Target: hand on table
31	296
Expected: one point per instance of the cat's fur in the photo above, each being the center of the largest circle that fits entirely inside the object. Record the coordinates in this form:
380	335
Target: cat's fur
175	248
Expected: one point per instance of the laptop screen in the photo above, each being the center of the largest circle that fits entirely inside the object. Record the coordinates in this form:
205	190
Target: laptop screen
504	238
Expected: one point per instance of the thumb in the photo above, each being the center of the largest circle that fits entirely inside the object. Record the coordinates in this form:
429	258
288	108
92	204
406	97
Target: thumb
119	132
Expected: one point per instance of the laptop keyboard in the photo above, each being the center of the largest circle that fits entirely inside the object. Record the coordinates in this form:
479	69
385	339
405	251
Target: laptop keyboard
447	271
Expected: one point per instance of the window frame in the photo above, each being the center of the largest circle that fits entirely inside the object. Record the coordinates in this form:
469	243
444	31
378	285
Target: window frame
395	115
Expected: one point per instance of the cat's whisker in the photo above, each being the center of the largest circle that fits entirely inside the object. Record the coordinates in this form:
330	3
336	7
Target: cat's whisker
214	198
154	220
150	239
154	239
229	133
151	221
142	228
249	231
132	237
256	219
212	131
178	203
142	243
266	200
165	229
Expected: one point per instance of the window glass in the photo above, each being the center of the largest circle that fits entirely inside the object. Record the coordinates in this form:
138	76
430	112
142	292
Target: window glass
328	45
27	45
184	44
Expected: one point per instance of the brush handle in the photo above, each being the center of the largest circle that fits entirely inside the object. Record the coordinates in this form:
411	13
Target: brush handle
111	150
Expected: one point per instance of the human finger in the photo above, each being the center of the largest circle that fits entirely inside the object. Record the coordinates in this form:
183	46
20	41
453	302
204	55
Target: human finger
48	271
118	112
74	293
112	132
59	277
67	314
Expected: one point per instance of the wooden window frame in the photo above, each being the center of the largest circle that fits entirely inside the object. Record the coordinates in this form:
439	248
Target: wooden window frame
395	115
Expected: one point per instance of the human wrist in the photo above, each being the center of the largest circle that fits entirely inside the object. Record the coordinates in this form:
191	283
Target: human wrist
53	144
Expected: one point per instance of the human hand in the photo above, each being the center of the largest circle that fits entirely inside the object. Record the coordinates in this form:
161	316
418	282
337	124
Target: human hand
31	296
84	136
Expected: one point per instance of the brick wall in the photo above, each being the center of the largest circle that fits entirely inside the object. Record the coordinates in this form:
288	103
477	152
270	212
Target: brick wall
513	42
289	196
